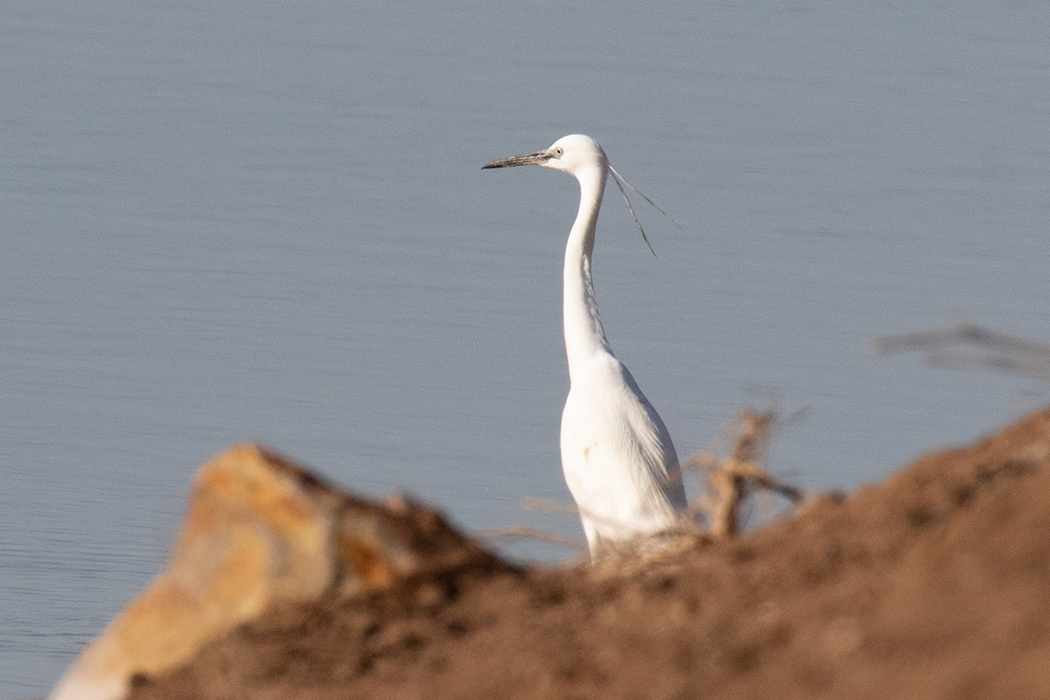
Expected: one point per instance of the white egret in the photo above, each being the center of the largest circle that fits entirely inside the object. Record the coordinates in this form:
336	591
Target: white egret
619	462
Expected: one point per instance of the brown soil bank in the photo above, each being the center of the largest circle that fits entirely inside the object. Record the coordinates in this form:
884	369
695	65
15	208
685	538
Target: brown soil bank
933	584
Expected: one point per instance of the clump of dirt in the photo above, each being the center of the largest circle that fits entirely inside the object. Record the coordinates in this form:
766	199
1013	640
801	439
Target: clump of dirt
934	583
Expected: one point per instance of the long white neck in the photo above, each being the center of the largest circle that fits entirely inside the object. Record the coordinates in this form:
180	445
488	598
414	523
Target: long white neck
584	335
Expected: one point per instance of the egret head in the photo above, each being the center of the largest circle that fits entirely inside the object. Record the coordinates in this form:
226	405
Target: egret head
570	154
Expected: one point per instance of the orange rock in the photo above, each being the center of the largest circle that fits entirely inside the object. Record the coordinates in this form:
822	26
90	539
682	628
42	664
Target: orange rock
260	530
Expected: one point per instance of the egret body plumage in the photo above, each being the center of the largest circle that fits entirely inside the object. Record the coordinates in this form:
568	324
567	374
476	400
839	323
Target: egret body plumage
619	462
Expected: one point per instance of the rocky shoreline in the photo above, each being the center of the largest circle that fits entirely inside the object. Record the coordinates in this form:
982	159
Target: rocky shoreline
932	583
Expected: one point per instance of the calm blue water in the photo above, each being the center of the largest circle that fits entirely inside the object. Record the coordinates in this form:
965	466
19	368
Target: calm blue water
266	221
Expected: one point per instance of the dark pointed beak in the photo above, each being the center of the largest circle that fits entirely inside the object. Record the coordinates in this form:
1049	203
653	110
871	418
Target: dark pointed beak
537	158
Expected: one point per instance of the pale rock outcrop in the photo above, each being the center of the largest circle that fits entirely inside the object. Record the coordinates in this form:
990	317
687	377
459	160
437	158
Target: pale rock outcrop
260	530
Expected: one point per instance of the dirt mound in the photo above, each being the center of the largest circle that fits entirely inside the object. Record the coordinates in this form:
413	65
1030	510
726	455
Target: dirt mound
935	583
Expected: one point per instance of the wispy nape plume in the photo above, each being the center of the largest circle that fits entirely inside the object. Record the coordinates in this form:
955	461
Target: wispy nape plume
620	182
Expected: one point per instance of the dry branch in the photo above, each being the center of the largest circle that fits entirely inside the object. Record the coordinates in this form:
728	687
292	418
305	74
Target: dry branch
518	534
971	346
731	479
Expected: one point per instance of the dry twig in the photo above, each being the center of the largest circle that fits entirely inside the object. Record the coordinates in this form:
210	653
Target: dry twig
971	346
517	534
731	479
